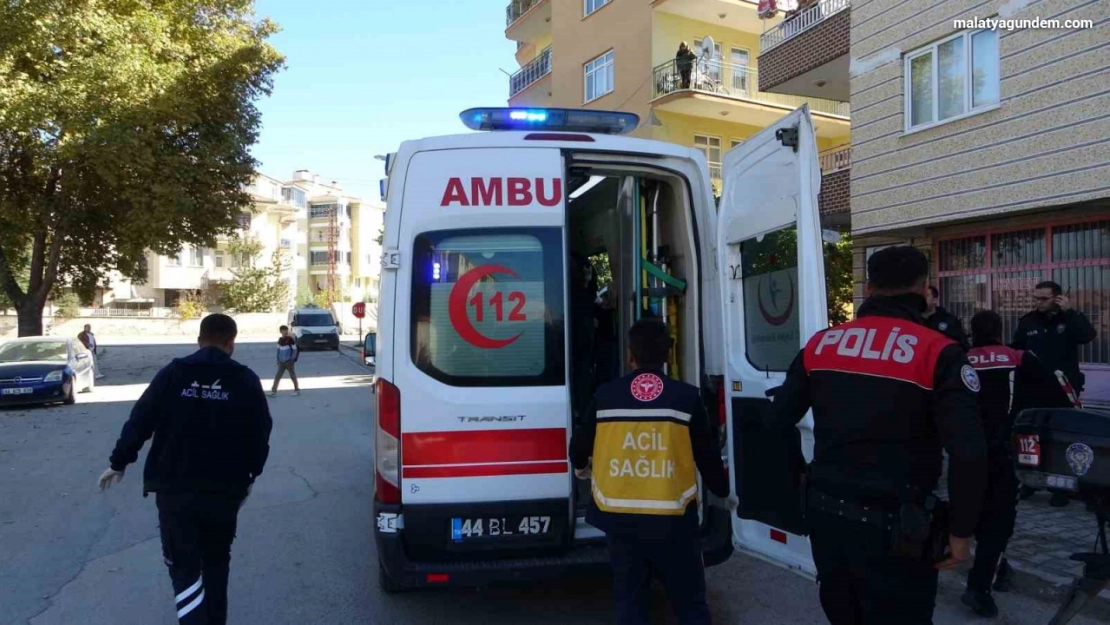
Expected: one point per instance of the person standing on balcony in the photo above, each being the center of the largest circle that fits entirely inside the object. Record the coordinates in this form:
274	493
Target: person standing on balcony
684	61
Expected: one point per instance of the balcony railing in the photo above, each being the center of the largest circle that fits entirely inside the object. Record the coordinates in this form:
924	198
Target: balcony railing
835	159
798	24
731	80
517	8
536	69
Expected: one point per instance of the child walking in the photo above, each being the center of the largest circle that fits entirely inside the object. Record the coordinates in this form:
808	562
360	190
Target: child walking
287	354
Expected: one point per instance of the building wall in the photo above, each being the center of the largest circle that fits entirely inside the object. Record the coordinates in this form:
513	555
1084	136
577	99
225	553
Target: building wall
836	188
1045	145
623	26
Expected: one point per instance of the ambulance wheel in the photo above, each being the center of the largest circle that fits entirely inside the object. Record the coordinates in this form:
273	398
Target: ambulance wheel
388	585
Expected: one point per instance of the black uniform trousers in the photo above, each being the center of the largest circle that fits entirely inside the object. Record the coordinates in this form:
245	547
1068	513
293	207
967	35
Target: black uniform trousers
676	559
862	582
996	522
197	530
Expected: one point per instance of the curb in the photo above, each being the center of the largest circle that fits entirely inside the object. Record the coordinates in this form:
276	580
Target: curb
1052	589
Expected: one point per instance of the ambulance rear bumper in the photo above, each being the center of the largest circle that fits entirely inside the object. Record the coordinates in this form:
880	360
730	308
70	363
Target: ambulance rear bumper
587	559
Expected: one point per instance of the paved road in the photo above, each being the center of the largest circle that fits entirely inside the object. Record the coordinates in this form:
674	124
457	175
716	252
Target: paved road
305	554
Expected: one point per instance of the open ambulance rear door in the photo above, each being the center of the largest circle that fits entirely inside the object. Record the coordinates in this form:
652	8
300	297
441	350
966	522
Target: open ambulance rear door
769	251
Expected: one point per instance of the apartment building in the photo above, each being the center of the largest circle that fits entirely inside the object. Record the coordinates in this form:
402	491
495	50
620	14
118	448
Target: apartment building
621	55
989	148
293	217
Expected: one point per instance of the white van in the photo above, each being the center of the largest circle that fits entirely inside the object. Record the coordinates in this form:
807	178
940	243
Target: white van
482	343
314	327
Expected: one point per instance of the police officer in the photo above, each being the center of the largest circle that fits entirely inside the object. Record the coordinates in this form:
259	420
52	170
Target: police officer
939	319
1055	331
886	393
648	436
1011	381
211	427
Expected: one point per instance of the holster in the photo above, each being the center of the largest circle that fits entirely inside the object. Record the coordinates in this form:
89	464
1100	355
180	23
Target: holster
921	531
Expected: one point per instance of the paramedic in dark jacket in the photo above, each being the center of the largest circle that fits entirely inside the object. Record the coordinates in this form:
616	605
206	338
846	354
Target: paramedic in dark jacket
939	319
1011	381
211	427
1055	331
649	436
887	394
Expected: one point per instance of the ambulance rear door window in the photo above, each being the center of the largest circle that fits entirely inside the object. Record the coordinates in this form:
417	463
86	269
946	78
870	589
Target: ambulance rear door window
487	307
771	322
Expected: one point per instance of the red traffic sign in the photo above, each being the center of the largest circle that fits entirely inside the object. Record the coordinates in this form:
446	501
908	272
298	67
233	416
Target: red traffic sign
359	310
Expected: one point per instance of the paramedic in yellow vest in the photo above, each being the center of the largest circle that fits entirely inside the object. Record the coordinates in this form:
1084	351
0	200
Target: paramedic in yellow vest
649	436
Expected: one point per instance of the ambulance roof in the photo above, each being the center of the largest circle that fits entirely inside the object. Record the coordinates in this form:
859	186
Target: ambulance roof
559	140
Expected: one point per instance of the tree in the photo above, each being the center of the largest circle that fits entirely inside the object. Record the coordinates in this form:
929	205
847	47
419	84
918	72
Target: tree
778	251
305	298
124	127
255	288
21	266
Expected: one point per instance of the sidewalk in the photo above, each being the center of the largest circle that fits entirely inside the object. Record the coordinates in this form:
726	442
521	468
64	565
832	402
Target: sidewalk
1046	537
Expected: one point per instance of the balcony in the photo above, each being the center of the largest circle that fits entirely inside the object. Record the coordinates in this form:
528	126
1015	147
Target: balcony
807	54
835	159
527	20
531	73
716	89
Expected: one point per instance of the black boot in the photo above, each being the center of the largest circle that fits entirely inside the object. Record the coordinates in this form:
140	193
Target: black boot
1004	578
980	602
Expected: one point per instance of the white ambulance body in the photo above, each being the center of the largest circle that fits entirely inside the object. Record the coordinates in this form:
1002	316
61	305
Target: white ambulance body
477	362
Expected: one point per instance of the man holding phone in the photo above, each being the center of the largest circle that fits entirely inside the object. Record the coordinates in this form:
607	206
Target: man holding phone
1054	331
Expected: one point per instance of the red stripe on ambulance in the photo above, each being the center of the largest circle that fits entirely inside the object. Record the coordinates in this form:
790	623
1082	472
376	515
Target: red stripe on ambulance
484	452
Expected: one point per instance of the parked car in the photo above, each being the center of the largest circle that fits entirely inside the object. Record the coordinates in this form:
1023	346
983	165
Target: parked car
41	369
368	346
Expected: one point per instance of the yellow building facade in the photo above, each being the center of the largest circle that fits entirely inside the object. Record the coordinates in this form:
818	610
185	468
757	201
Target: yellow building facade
621	55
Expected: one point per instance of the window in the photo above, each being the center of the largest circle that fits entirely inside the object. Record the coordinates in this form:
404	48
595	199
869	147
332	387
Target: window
318	258
599	76
175	260
474	324
589	6
244	221
711	148
952	78
772	327
294	196
322	210
218	258
742	76
196	257
734	143
998	271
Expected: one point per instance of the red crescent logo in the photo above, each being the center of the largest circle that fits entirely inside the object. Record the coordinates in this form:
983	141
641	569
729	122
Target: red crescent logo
456	307
780	319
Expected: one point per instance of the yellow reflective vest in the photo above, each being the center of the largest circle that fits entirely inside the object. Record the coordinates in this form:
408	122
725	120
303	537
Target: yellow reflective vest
643	462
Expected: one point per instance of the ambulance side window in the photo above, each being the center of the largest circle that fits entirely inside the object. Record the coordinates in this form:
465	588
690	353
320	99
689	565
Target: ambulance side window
487	307
770	281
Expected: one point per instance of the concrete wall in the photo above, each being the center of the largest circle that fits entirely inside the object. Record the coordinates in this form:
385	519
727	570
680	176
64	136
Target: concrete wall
253	324
1046	144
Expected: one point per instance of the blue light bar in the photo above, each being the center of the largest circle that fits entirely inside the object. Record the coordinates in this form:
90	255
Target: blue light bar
553	120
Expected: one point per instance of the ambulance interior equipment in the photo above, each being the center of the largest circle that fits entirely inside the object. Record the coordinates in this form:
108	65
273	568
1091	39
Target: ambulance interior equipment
1068	450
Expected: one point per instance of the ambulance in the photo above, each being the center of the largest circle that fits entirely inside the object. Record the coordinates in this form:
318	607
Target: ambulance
492	336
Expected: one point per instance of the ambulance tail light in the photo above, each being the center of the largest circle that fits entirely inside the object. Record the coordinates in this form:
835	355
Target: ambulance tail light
387	443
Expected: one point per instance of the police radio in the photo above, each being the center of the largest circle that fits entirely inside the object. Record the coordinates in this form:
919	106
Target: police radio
1067	450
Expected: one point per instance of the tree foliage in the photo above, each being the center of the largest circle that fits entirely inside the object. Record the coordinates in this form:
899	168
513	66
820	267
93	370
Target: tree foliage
124	127
780	249
255	287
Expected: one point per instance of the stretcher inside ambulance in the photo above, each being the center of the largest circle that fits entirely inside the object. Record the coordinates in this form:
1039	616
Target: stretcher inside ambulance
515	260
